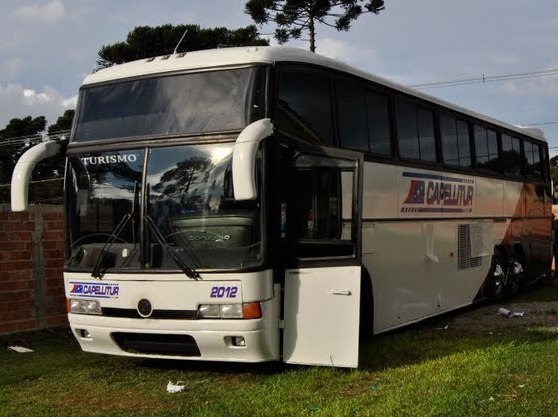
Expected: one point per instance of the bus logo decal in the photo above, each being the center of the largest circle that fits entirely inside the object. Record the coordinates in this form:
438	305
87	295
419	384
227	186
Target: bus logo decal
94	290
109	159
428	193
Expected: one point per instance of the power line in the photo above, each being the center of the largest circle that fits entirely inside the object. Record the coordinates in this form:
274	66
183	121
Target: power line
488	78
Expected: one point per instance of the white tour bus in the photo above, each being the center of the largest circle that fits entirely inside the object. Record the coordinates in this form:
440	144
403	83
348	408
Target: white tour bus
264	204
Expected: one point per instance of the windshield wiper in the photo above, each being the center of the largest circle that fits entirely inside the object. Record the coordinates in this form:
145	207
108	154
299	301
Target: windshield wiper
96	273
190	272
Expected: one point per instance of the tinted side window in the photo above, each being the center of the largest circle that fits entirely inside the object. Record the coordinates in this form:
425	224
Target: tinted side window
511	156
303	104
363	117
352	120
407	131
486	144
455	142
377	106
532	159
427	139
415	131
464	143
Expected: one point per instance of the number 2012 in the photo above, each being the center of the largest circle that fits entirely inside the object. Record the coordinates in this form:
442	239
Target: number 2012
223	292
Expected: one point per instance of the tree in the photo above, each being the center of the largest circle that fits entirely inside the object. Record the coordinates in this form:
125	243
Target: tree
54	167
146	41
23	127
18	136
293	17
63	123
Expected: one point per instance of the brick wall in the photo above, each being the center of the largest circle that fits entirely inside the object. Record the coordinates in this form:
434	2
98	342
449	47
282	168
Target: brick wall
31	259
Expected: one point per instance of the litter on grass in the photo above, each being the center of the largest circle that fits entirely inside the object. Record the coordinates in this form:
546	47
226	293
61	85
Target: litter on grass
20	349
509	313
174	388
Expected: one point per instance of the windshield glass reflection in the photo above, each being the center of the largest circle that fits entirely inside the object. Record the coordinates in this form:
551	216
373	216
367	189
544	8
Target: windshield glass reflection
103	206
183	217
171	104
191	203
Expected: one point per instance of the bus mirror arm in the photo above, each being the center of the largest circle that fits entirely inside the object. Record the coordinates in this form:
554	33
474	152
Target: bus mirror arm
244	158
23	169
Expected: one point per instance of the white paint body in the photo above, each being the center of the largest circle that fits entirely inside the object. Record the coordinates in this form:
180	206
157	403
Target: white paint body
410	248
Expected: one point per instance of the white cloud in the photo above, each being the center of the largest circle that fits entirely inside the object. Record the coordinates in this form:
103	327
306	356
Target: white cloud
31	97
12	66
358	56
19	102
70	102
51	12
538	87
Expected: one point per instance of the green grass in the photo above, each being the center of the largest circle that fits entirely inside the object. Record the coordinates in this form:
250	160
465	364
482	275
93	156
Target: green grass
413	372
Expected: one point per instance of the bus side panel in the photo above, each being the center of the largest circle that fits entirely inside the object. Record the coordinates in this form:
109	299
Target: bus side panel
489	197
410	251
428	237
414	269
379	192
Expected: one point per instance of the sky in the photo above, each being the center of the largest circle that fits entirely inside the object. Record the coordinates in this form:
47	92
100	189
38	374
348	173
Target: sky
47	47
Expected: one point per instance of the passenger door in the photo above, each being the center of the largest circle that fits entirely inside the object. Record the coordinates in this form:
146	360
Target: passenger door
322	288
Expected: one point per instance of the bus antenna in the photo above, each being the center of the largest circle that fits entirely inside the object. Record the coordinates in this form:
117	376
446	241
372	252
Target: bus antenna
180	41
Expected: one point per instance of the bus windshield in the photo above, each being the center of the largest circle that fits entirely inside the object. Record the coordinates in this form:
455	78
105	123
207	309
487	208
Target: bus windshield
201	102
171	210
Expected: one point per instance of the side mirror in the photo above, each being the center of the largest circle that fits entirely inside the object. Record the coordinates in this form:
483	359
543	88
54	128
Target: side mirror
244	158
23	169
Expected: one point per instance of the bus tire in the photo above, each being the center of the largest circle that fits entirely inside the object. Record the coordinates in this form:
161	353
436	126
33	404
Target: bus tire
514	275
497	276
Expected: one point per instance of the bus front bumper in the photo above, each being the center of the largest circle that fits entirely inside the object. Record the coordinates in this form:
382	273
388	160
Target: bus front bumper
205	340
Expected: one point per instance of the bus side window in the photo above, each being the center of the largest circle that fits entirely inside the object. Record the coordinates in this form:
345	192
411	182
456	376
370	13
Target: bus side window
351	108
363	117
377	109
415	131
486	145
323	210
532	159
456	149
511	156
303	104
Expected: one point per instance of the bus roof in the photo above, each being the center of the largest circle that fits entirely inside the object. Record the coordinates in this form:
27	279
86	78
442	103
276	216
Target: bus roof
224	57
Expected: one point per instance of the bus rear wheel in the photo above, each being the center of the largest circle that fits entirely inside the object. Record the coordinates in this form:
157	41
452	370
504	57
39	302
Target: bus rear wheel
505	277
514	276
497	276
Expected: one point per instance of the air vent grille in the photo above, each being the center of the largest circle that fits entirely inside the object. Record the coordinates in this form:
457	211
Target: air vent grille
464	258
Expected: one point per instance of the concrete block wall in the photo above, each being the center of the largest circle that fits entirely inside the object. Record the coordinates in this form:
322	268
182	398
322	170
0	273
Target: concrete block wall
31	260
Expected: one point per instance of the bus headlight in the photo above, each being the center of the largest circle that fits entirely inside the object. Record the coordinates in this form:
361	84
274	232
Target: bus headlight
230	311
209	311
79	306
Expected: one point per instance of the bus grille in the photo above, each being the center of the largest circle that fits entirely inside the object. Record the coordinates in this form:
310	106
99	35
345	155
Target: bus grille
157	344
130	313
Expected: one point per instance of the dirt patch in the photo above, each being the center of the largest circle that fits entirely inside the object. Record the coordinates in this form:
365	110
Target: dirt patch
487	320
